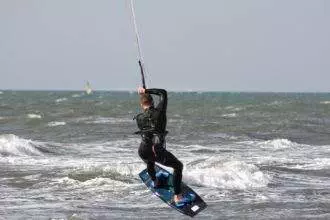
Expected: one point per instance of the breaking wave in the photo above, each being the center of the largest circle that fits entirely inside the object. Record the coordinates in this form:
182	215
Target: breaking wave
12	145
119	172
230	174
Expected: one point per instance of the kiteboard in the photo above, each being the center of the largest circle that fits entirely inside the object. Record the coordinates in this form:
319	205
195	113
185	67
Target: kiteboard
192	204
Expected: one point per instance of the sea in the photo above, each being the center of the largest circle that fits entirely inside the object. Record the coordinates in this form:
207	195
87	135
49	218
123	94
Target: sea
69	155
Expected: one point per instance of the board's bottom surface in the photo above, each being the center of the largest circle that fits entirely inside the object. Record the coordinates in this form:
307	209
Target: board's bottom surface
192	202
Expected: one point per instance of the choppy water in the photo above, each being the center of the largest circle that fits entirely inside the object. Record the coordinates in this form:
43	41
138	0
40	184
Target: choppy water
67	155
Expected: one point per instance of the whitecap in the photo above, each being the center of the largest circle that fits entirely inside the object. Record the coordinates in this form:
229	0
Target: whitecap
103	120
325	102
277	144
315	164
92	185
171	120
34	116
121	172
61	100
223	136
275	103
56	123
230	115
76	95
232	108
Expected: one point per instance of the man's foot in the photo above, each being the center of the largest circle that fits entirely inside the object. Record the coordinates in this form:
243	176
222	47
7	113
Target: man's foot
179	200
155	183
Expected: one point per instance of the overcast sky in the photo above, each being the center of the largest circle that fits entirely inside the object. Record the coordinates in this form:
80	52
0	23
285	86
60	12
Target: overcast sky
218	45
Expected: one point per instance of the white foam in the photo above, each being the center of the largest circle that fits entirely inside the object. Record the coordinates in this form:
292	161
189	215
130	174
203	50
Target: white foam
93	186
103	120
56	123
115	146
230	115
171	120
95	177
34	116
276	103
12	145
325	102
232	108
61	100
315	164
1	92
121	171
223	135
277	144
76	95
230	175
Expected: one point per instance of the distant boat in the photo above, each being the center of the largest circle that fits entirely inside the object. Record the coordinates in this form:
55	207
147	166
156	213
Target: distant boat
88	88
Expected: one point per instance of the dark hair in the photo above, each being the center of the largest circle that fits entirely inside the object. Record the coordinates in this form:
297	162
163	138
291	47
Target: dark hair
146	99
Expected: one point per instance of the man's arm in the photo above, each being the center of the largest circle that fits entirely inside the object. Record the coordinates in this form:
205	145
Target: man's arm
162	105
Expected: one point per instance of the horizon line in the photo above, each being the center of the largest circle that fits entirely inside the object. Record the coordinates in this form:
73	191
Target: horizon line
169	90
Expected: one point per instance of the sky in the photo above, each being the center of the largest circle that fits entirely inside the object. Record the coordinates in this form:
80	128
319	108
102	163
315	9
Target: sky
210	45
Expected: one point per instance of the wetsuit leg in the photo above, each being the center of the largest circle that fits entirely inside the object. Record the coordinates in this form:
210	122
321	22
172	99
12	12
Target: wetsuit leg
168	159
151	170
147	155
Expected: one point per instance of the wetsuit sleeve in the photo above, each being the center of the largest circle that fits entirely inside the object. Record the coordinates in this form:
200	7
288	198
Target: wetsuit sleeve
162	105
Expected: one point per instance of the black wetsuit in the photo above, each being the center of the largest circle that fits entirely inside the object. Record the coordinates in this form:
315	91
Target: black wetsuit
152	127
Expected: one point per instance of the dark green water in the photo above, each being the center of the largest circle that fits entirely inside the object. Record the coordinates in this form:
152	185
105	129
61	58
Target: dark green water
249	155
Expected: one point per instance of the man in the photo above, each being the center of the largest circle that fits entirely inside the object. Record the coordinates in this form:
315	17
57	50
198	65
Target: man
152	127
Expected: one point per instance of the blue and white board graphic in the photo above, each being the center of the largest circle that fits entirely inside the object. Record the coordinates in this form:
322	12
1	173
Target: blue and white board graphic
193	204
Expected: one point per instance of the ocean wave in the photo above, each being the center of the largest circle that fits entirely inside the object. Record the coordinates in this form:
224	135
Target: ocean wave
34	116
325	102
12	145
96	185
116	146
56	123
223	136
102	120
229	175
123	173
98	177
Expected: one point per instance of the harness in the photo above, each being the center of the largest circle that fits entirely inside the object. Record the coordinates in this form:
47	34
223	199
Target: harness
148	129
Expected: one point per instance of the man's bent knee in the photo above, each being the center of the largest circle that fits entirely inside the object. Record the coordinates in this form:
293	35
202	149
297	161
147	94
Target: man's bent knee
178	166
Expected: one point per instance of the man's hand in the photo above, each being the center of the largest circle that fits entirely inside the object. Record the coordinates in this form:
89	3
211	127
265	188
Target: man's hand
141	90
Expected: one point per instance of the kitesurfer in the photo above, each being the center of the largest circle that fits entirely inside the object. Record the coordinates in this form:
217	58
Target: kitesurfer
152	127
